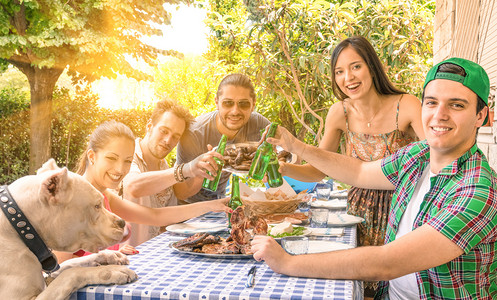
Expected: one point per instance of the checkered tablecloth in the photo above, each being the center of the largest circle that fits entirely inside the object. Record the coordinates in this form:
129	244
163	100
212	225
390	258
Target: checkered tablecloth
167	274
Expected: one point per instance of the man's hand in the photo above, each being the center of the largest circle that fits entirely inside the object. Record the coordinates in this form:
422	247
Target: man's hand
267	249
202	164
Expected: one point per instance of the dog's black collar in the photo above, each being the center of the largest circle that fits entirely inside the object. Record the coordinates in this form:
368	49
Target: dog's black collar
26	231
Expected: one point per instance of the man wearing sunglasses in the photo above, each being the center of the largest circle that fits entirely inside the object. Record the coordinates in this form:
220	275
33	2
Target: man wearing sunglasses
234	117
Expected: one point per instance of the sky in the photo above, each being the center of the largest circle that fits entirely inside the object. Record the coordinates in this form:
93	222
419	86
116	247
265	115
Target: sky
187	34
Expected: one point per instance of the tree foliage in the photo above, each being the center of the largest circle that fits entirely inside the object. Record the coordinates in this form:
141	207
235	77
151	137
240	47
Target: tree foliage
74	119
90	38
191	81
287	46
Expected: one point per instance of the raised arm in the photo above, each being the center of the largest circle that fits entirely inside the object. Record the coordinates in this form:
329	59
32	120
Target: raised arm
421	249
340	167
330	142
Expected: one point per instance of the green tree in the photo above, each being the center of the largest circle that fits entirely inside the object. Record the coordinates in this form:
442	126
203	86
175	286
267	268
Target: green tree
90	38
192	81
290	42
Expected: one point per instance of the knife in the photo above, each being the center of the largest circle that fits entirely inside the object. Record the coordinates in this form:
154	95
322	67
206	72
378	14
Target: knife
251	277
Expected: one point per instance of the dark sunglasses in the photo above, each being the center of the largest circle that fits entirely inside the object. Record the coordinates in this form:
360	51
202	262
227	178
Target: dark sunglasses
243	105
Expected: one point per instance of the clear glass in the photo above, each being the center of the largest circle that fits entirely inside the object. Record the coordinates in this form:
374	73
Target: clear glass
319	217
323	191
295	245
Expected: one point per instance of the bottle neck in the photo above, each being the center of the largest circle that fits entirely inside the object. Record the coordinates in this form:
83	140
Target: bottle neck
235	187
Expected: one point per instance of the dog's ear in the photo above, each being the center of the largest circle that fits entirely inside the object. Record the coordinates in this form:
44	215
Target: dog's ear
48	166
53	188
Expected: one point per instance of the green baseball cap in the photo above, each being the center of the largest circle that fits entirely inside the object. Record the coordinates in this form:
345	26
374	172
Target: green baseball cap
476	78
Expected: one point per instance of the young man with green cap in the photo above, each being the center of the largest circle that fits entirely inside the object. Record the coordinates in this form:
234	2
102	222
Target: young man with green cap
441	240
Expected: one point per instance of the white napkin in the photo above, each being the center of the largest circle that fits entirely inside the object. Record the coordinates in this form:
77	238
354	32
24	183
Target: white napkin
327	231
326	246
343	219
334	203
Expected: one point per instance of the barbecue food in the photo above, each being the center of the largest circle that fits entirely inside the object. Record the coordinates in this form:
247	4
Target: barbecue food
238	242
239	157
294	218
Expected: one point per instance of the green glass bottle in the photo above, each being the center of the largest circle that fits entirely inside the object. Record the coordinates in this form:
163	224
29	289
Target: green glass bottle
262	156
235	199
274	178
211	185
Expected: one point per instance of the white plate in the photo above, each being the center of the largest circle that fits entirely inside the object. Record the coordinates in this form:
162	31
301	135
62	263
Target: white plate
196	227
326	246
341	194
333	203
343	219
333	231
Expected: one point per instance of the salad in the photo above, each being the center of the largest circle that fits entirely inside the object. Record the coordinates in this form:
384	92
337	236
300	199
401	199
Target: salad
297	230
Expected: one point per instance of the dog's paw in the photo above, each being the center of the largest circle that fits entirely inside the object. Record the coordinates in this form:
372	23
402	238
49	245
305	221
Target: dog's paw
110	257
113	274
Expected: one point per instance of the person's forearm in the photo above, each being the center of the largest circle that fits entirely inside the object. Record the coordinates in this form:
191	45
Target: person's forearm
149	183
174	214
344	168
363	263
305	172
188	188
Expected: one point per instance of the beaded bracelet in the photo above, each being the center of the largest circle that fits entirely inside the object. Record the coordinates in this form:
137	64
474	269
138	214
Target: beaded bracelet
180	173
175	172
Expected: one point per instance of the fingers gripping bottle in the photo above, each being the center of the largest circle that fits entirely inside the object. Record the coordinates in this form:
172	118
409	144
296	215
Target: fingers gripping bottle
211	185
263	155
235	199
274	178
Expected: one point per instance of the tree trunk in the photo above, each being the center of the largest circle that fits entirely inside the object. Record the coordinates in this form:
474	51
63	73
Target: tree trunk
42	83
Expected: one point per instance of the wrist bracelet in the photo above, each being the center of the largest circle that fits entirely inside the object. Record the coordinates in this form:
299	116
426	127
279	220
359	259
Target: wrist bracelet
175	172
181	172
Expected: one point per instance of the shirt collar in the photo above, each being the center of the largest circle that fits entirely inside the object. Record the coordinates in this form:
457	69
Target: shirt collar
454	167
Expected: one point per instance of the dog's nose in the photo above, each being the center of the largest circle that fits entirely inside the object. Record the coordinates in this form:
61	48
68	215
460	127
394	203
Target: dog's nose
121	223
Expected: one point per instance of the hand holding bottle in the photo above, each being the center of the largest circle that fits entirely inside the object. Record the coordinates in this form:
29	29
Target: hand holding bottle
211	184
204	165
286	140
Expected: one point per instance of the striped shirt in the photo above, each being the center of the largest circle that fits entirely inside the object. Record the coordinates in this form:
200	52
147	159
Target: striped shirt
462	205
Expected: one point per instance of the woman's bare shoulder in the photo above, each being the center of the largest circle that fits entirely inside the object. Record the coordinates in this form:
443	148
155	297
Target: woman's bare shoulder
409	100
336	115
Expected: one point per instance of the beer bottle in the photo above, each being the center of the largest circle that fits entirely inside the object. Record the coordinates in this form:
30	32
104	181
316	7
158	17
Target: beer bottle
211	185
262	156
274	178
235	199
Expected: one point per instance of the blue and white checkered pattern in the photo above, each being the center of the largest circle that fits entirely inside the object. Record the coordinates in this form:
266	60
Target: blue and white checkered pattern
164	273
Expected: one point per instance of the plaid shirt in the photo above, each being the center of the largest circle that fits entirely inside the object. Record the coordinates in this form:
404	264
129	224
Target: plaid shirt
462	205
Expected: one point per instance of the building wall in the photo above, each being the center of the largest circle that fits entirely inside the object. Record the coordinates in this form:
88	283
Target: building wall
468	29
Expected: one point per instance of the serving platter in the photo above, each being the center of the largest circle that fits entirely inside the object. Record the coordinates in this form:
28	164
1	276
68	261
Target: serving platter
231	256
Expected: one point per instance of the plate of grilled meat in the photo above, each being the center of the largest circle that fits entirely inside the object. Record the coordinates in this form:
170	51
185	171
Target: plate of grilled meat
238	157
237	245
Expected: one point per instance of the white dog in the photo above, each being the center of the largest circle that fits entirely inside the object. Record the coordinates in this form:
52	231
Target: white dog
67	213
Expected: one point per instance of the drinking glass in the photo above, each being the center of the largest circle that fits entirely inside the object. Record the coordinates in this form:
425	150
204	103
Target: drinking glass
319	217
295	245
323	191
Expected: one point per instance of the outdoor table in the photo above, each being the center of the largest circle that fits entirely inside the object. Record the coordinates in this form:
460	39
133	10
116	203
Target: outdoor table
164	273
